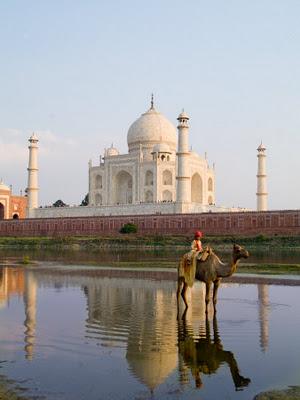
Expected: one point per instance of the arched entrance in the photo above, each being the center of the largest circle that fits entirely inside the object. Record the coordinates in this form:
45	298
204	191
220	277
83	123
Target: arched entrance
1	211
167	177
15	216
149	178
98	199
123	188
149	196
167	195
98	182
196	189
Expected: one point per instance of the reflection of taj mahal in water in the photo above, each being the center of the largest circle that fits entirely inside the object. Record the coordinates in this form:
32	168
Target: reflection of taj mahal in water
136	315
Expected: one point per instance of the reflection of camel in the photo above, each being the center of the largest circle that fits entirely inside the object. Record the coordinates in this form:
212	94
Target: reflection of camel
204	355
208	271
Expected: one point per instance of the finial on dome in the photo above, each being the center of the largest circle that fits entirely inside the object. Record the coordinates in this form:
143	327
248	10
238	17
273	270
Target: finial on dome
261	147
183	116
33	138
152	102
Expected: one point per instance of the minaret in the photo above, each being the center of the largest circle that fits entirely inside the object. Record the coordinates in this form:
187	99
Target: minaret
32	187
183	194
261	195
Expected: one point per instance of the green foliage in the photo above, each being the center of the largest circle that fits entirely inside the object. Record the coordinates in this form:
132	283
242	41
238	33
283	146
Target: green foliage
128	228
26	260
85	201
261	238
59	203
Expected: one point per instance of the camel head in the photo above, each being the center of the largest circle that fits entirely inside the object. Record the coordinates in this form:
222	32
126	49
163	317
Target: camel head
239	252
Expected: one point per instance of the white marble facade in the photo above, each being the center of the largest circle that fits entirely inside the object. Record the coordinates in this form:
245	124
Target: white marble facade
149	172
160	174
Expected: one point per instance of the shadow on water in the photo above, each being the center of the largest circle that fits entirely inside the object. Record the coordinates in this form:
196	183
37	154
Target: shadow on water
204	354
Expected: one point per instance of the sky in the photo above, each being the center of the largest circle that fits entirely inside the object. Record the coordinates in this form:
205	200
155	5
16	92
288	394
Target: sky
79	73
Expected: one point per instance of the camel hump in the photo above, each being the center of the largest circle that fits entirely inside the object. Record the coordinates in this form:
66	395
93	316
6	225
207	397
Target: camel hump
205	254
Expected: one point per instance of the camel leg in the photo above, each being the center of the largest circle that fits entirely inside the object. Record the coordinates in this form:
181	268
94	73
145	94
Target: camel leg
181	291
207	292
215	294
183	294
179	284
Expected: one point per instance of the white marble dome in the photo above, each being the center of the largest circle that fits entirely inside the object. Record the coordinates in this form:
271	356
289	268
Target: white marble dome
111	151
183	115
150	129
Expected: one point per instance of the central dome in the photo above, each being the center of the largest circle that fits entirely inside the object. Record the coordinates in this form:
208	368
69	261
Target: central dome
150	129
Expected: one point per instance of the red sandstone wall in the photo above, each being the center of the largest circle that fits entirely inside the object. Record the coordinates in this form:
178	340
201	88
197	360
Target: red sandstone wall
18	206
242	223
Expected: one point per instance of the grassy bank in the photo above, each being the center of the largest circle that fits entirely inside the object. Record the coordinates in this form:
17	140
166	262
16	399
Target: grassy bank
9	390
136	241
291	393
268	255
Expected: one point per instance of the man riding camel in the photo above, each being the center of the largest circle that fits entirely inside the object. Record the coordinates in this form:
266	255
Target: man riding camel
196	243
196	247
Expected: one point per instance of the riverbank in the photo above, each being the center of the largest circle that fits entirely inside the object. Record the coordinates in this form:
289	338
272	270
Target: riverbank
268	255
162	266
223	243
9	390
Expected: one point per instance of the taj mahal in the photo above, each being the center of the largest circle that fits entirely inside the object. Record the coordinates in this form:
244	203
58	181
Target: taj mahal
159	168
160	174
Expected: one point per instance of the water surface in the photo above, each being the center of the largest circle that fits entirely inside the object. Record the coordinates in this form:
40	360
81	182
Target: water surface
79	332
157	254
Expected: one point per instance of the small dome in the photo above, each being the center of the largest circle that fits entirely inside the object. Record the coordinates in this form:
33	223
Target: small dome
112	151
195	155
4	187
161	148
261	147
150	129
34	138
183	115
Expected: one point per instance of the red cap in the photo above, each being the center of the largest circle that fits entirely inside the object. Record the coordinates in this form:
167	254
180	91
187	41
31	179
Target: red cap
198	234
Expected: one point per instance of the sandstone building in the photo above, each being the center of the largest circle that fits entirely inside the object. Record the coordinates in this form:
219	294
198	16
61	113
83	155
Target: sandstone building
11	206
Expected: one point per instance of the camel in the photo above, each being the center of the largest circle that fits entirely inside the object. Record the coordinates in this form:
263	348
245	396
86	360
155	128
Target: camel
208	269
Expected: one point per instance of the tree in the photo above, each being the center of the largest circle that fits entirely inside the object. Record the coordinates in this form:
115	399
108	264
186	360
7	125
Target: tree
59	203
128	228
85	201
